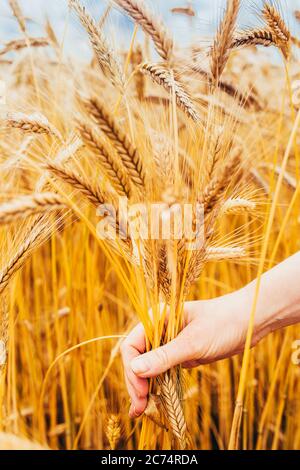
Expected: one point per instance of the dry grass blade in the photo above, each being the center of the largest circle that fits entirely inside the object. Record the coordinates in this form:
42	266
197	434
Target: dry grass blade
137	10
160	75
105	55
18	44
26	206
112	166
121	142
31	123
16	9
222	43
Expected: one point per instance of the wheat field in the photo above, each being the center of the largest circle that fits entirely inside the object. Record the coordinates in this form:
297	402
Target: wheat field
214	123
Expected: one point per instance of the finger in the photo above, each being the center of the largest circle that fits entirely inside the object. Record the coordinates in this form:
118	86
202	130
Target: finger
138	404
162	359
137	387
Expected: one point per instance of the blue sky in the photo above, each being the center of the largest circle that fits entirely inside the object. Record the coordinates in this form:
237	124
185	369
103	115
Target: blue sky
208	13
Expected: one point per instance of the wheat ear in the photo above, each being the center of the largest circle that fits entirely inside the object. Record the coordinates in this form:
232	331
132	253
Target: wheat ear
255	37
174	409
221	47
278	27
32	123
138	11
276	22
105	55
113	431
26	206
78	182
216	189
111	165
94	194
162	76
34	235
224	253
238	206
121	142
18	44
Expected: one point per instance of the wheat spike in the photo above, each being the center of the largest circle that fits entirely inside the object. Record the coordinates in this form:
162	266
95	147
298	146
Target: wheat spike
26	206
110	163
278	27
121	142
18	44
105	55
224	253
238	206
276	22
215	190
137	10
34	124
160	75
113	431
34	235
255	37
221	47
81	184
16	9
173	406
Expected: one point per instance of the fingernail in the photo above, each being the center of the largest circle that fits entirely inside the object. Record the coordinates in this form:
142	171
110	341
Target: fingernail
140	366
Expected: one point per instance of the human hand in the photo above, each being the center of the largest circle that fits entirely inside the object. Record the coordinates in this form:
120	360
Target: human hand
214	330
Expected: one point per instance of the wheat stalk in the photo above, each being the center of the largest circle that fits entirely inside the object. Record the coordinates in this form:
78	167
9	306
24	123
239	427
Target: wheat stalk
111	165
16	9
105	55
32	123
222	43
25	206
121	142
162	76
137	10
17	44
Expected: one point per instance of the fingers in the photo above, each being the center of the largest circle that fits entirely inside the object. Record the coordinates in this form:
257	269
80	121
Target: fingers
137	387
162	359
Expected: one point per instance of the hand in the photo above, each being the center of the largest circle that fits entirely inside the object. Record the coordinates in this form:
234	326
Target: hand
215	329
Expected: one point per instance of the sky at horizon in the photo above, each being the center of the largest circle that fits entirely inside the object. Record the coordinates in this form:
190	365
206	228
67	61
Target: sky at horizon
119	28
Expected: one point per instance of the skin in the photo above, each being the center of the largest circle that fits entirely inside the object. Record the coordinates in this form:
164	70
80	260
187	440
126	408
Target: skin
215	329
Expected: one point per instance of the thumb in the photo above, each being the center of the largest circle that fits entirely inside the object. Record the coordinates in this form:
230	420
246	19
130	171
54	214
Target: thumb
162	359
